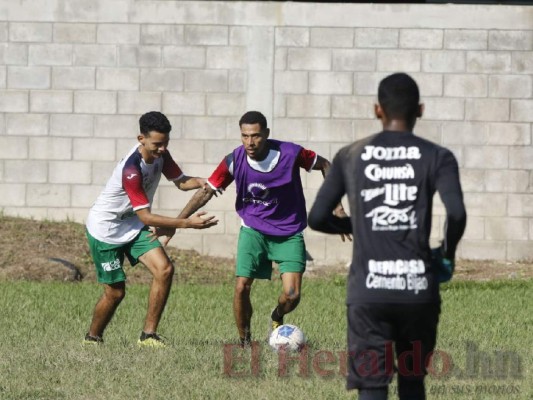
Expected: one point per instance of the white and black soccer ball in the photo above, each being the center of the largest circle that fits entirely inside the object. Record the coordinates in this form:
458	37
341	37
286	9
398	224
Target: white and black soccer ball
287	337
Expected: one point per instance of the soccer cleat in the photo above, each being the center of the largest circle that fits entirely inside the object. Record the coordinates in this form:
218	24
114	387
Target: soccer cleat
151	340
92	340
246	341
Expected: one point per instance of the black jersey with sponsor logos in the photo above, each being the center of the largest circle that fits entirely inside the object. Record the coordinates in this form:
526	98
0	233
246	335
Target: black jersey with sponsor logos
390	179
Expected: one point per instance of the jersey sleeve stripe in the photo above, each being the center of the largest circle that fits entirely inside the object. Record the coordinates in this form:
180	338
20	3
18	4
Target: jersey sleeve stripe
313	163
178	178
140	207
213	186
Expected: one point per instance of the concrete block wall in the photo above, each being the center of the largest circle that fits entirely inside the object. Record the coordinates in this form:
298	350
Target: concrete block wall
75	78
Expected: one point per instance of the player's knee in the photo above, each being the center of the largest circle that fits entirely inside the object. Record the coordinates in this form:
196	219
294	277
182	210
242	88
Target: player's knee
165	271
115	294
292	295
243	288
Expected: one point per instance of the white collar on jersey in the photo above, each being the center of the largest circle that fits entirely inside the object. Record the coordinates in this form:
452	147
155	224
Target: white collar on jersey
267	164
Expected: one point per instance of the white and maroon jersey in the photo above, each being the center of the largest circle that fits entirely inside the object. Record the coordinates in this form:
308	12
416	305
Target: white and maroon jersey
132	186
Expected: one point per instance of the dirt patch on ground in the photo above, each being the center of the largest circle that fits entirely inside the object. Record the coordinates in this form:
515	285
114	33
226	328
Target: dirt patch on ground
57	251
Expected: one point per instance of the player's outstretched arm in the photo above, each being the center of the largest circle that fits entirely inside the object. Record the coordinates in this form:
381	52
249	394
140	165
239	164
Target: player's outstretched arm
197	201
189	182
198	221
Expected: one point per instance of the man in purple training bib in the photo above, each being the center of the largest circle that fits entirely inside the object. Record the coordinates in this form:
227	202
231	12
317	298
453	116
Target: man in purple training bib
271	204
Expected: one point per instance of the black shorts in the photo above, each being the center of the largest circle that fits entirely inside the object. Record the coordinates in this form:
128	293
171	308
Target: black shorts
388	338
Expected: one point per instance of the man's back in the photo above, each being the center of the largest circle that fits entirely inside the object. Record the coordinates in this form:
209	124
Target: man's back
390	179
393	290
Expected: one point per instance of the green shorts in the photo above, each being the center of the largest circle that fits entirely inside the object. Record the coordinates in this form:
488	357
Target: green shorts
109	258
256	251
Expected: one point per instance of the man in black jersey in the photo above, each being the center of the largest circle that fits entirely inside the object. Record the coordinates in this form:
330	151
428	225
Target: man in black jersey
393	298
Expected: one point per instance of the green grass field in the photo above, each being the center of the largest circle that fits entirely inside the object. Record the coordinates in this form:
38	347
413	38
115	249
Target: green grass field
486	329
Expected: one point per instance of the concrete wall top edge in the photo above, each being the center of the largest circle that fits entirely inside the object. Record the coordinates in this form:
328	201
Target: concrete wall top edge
435	16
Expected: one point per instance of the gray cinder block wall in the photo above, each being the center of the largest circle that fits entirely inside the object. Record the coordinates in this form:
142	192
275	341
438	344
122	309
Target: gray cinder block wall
75	76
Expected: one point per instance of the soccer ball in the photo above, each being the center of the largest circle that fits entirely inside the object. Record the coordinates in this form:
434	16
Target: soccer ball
287	337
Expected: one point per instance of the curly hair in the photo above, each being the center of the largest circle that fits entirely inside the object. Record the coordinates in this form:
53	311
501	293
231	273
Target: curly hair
254	117
154	121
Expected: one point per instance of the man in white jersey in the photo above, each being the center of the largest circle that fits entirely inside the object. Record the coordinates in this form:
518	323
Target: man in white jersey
120	223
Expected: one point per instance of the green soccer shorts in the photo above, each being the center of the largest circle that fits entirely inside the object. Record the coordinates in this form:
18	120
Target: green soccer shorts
109	258
256	252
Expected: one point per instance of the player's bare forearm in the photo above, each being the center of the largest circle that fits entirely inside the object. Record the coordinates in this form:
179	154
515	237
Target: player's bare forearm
198	221
189	183
197	201
322	164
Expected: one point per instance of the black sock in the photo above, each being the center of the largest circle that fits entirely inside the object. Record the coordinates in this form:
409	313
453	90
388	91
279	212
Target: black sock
275	316
247	339
374	394
411	389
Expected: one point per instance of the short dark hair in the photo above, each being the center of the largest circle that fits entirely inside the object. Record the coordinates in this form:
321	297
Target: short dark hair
399	97
254	117
154	121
